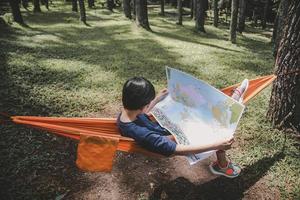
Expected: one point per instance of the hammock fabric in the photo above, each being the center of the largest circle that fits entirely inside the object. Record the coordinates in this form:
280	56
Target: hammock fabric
99	137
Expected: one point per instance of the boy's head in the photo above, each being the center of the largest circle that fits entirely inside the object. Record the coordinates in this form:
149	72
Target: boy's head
137	93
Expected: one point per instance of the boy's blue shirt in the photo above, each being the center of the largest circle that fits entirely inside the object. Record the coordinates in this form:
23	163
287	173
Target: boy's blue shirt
148	134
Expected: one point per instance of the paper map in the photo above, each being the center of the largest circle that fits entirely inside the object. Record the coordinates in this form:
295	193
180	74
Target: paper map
196	113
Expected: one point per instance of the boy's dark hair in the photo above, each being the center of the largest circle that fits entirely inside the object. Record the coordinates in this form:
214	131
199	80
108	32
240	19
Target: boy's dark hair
137	92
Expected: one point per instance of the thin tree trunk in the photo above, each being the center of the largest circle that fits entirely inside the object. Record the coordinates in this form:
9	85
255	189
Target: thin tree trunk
281	14
142	14
216	13
162	7
195	8
233	21
192	8
82	11
15	8
91	3
46	2
264	19
36	6
25	4
134	7
74	6
179	12
200	16
110	5
242	15
284	108
127	8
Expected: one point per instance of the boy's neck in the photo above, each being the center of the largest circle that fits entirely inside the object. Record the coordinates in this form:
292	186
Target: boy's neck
130	115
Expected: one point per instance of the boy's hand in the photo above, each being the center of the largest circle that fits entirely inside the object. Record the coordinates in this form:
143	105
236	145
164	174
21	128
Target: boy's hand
161	95
225	145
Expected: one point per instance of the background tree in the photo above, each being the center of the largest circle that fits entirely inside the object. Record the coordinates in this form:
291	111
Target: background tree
200	15
110	4
265	14
242	15
127	8
216	13
36	6
162	7
179	11
284	108
25	4
91	3
15	8
142	14
74	6
279	23
233	21
192	8
82	11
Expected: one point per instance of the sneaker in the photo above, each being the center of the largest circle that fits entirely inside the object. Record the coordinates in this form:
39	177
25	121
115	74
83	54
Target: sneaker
231	171
240	91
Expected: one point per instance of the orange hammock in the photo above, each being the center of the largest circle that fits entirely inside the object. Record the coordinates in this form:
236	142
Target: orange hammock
100	138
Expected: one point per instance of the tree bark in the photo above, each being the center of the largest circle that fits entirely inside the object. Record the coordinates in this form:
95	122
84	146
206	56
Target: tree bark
265	14
284	107
82	11
15	8
233	21
281	15
36	6
74	6
162	7
200	15
91	3
242	15
142	14
179	12
127	9
216	13
25	4
134	7
110	5
192	8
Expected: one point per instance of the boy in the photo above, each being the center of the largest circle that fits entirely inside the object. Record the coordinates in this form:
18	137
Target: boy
138	98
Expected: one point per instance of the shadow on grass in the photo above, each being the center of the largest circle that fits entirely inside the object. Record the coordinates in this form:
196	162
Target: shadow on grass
219	188
34	165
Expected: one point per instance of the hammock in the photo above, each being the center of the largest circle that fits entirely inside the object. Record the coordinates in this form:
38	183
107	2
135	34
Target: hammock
100	138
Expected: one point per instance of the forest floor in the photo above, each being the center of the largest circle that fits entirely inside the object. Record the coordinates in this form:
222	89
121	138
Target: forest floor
56	66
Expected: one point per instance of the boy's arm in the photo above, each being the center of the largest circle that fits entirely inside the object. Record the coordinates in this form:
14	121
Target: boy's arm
192	149
160	96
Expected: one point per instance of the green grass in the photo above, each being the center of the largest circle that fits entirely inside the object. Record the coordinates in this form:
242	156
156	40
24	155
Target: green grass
59	67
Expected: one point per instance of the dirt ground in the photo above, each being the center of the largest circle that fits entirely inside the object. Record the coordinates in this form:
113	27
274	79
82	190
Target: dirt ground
38	165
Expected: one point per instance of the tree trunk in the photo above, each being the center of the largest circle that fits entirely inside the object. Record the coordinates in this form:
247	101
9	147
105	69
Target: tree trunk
265	14
233	21
74	6
25	4
242	15
284	108
216	13
15	8
200	15
179	10
134	7
36	6
142	14
127	8
46	2
82	11
281	15
110	5
91	3
192	8
162	7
